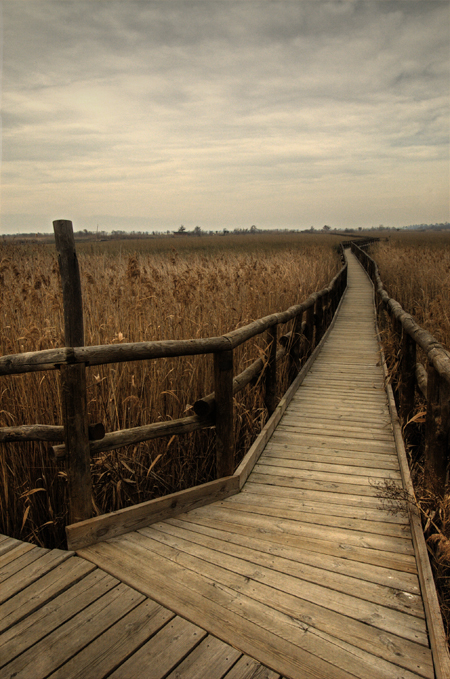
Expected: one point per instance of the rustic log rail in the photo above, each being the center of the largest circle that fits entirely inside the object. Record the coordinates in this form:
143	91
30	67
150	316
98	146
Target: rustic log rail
433	380
81	439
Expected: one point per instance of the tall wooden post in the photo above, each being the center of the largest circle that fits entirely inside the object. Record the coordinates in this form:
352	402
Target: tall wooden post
437	430
73	379
271	370
223	379
408	377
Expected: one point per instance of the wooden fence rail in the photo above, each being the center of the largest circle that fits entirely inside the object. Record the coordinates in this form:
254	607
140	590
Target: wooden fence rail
433	380
77	440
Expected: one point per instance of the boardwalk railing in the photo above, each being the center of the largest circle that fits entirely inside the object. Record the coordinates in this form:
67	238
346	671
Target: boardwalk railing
433	380
78	439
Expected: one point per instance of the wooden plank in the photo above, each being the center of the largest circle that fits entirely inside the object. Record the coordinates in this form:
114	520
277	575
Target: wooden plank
116	523
46	619
35	570
353	586
350	537
302	424
264	638
340	443
366	572
321	545
71	637
247	668
112	648
42	590
315	484
347	458
287	468
320	411
211	659
316	505
313	491
290	595
278	638
376	402
24	558
280	461
15	552
375	524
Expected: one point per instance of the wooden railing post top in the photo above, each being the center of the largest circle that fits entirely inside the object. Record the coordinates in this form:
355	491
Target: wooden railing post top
71	283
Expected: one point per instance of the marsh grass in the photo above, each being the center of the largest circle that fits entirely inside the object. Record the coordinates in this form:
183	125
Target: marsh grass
167	289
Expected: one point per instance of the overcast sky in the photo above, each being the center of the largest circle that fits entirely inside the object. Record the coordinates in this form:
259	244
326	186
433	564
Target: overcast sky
147	115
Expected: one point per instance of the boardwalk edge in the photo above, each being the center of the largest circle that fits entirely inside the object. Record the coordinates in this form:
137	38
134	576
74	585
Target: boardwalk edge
435	625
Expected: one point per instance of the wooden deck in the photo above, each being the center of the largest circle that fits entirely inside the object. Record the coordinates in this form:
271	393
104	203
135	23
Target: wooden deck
304	571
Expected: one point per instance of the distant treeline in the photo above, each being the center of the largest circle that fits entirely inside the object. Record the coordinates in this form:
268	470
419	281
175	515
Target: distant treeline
182	232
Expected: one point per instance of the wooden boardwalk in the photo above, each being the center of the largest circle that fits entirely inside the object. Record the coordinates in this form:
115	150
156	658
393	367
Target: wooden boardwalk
304	571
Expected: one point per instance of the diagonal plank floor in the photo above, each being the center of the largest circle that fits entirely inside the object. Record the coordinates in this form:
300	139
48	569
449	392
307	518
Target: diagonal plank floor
61	617
304	570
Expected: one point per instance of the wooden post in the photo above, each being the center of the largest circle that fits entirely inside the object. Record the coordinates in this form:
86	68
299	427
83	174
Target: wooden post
271	370
309	329
223	380
318	319
407	377
73	379
294	352
437	430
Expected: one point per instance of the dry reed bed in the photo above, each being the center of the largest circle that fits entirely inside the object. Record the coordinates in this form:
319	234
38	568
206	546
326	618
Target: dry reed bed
168	289
415	269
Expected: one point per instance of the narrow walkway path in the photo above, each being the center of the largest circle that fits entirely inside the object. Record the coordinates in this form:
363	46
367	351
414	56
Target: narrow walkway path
304	570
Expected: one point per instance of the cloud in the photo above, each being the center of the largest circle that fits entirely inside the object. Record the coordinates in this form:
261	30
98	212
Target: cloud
167	107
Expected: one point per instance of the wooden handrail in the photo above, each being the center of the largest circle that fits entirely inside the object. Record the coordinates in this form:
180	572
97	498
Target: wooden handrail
433	382
311	318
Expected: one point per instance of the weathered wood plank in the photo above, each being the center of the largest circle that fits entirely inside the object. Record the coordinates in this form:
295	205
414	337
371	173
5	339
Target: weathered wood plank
46	588
39	567
211	659
368	524
116	523
15	551
71	637
357	538
332	443
271	458
284	469
161	579
253	556
315	484
247	668
321	545
366	572
348	458
249	581
112	648
318	506
45	620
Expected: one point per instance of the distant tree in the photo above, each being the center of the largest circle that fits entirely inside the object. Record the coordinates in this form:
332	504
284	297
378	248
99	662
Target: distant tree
198	231
181	229
326	228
